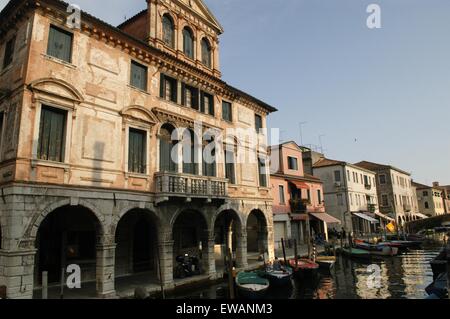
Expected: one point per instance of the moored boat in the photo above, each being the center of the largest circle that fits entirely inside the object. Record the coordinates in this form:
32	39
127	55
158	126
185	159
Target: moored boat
279	277
354	253
377	250
326	263
439	264
304	268
252	285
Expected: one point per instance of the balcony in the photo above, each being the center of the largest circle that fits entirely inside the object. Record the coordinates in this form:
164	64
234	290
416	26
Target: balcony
368	187
371	208
189	186
299	206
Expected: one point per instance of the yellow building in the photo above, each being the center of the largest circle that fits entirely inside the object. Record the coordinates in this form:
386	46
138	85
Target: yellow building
88	173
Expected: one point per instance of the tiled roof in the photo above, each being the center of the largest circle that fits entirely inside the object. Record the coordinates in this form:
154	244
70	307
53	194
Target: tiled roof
375	166
328	162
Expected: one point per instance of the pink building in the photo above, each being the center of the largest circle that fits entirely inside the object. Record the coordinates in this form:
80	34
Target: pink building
298	201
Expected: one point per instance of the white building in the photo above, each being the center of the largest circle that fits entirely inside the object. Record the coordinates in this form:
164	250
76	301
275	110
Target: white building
350	195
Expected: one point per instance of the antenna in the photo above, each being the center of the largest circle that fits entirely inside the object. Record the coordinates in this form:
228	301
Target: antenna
300	125
320	142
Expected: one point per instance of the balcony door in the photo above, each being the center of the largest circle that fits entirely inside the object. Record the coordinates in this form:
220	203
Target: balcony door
167	155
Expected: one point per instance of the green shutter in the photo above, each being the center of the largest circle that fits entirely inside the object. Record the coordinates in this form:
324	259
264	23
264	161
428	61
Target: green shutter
183	94
60	44
174	91
202	102
162	86
51	135
211	105
164	156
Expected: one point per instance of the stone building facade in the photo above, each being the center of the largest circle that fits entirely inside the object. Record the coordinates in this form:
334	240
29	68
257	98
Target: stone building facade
87	174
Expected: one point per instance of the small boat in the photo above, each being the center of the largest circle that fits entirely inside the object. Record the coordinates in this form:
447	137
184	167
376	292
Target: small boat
278	277
439	264
304	269
377	250
355	253
252	285
439	287
326	263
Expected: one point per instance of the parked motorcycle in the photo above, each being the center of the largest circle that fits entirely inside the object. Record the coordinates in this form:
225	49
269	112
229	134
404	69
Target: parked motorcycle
187	266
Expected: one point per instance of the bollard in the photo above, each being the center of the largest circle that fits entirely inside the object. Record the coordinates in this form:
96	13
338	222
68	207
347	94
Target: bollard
44	285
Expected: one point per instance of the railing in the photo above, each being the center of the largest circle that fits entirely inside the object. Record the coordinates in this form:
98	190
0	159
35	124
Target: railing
371	208
299	206
182	185
368	186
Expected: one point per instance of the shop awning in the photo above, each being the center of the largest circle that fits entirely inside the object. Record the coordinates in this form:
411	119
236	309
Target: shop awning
326	218
421	215
299	217
298	184
368	218
384	216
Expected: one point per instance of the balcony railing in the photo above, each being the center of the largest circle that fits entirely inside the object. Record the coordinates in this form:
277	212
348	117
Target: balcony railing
189	186
368	186
371	208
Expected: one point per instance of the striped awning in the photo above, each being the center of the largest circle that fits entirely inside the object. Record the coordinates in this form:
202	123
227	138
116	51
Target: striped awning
298	184
384	216
326	218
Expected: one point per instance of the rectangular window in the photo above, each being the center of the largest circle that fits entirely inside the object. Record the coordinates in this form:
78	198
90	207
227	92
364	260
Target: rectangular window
293	163
137	154
138	77
229	167
52	134
281	192
308	195
168	88
190	96
351	198
9	52
362	181
207	103
348	176
258	123
337	176
382	179
227	113
425	193
366	180
319	196
60	44
262	173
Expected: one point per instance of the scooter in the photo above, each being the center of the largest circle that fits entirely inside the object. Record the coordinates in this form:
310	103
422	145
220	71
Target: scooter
188	266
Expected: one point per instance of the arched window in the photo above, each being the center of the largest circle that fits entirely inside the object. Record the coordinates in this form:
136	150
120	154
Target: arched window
166	161
189	153
188	43
427	206
206	53
168	31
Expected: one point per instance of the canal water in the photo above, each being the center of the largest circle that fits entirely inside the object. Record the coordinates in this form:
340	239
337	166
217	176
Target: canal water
402	277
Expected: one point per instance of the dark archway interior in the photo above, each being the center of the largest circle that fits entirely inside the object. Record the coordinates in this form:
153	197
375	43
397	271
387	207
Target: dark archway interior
189	234
1	238
67	236
137	240
256	232
226	235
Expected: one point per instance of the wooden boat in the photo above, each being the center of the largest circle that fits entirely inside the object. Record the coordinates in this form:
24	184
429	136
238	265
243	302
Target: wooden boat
354	253
326	263
439	264
377	250
304	269
279	277
252	285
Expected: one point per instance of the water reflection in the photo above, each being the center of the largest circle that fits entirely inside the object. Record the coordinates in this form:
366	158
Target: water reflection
402	277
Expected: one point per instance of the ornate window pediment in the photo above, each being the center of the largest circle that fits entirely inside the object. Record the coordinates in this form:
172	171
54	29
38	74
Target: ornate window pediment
55	88
137	113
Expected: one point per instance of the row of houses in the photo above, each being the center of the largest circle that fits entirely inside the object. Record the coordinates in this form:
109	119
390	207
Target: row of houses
96	169
312	192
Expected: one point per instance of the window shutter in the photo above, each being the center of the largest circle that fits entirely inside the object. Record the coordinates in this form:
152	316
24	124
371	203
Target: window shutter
211	106
175	91
183	94
164	152
202	102
162	86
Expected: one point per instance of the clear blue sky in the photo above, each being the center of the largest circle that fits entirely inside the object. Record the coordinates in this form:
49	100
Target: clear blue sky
380	95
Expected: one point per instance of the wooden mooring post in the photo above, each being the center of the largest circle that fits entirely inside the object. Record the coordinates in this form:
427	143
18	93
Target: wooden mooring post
230	274
44	285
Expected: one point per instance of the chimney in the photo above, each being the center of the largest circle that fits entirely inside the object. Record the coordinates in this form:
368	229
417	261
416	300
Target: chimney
436	184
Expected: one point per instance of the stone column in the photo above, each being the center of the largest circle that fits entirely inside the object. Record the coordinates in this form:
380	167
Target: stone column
208	258
105	270
241	250
166	260
17	273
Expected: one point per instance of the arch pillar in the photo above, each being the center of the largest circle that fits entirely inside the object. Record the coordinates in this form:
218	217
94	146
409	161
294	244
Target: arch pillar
166	261
17	273
105	266
241	250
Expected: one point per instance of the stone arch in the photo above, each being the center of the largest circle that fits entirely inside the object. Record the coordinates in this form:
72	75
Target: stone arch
257	229
57	87
37	220
188	208
150	211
